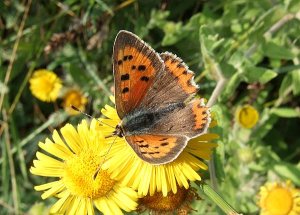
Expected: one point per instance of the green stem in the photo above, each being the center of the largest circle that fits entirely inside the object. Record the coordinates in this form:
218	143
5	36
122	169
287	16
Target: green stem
217	199
92	73
54	120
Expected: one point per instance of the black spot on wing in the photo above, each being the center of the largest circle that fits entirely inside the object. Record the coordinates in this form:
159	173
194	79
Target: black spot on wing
144	78
164	144
144	146
180	65
141	67
125	77
125	90
152	153
127	57
189	83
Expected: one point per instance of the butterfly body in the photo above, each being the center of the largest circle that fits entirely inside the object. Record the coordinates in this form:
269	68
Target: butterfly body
154	100
143	121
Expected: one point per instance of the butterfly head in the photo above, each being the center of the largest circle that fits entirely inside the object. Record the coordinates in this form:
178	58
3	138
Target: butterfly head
118	131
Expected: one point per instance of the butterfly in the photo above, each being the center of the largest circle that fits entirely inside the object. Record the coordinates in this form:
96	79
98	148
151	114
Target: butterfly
154	96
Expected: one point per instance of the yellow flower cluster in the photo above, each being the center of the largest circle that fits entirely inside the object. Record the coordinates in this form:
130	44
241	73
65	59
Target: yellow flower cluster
278	198
46	86
247	116
90	170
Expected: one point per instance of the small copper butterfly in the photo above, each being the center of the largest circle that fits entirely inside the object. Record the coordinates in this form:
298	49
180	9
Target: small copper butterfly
154	100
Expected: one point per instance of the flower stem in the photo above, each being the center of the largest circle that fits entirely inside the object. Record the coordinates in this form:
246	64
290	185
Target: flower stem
217	199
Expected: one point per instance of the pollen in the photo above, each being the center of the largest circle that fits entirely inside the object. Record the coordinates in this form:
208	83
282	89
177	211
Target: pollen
80	172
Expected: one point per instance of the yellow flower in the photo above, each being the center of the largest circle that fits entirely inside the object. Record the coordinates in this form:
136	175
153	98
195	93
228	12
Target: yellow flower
72	158
74	97
45	85
180	203
247	116
279	199
126	166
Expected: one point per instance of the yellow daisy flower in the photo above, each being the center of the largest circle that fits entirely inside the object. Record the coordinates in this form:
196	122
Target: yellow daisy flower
76	98
279	199
180	203
247	116
72	158
45	85
126	166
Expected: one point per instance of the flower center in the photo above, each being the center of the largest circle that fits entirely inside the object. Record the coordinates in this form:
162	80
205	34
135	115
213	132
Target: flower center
248	116
79	175
171	202
47	85
74	99
279	201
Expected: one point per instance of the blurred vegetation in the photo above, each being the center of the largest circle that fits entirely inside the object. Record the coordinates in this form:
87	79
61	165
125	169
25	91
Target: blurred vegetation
252	46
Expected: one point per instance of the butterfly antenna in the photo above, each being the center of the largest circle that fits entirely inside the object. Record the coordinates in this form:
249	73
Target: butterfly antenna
89	116
104	159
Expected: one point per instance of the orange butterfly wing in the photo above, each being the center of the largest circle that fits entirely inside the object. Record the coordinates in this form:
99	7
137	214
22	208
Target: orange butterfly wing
157	149
146	81
178	69
135	67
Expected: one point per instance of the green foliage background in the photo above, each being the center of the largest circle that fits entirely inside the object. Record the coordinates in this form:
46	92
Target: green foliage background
253	44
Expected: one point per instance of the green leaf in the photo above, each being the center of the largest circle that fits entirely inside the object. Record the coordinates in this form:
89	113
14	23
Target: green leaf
227	69
286	112
217	199
209	40
273	50
173	33
288	171
262	75
292	5
285	86
158	19
231	86
296	81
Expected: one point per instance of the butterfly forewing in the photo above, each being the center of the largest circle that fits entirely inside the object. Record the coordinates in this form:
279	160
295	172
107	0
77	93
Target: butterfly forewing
135	67
175	85
157	149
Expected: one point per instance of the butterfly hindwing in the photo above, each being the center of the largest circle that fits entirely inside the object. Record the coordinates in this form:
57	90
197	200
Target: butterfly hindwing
190	121
175	84
135	65
157	149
